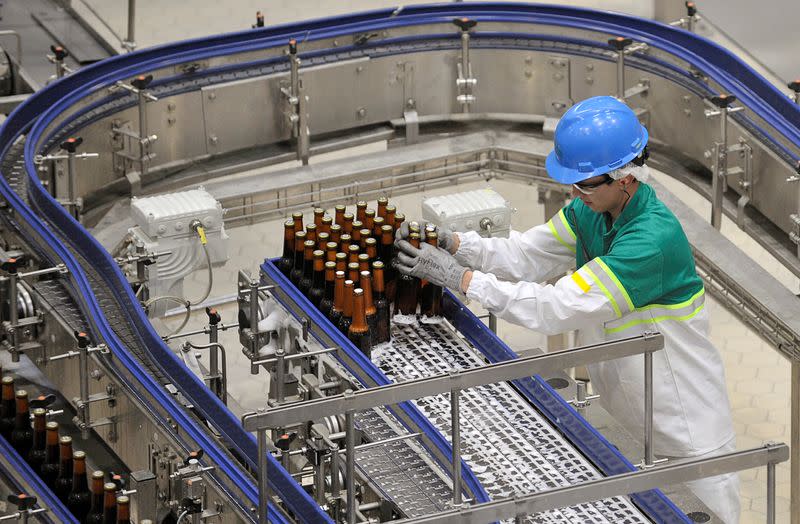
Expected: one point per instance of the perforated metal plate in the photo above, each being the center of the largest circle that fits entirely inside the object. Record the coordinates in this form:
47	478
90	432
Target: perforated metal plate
508	444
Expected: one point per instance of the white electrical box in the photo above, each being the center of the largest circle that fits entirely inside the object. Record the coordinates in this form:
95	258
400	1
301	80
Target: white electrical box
164	223
484	211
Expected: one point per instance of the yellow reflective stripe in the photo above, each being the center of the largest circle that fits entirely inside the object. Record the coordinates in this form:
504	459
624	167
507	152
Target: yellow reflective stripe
563	218
655	320
558	237
675	306
617	282
604	289
580	282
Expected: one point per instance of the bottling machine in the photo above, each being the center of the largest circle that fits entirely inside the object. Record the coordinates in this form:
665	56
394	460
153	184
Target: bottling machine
126	184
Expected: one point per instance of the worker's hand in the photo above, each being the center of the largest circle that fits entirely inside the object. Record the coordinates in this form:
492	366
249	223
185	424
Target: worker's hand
447	240
430	263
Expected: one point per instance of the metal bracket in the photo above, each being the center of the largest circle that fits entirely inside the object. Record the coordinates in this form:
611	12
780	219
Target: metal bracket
720	155
465	82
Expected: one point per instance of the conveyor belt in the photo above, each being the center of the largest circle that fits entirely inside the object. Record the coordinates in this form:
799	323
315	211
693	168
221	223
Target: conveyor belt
508	444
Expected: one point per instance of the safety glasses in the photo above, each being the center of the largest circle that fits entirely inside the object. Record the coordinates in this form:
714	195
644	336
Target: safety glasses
588	189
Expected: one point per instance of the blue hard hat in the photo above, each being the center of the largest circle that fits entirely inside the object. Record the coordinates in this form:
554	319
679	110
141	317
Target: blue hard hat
594	137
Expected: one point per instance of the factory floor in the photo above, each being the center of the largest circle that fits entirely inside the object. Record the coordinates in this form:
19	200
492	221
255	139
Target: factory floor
757	377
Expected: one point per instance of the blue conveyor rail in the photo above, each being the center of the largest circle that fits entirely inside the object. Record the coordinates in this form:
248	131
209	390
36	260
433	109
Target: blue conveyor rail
57	513
368	373
53	228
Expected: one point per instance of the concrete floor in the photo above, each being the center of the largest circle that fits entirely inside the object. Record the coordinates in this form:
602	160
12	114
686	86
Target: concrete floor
758	378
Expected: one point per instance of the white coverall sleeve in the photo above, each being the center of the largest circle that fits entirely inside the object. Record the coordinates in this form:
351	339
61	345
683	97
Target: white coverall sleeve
573	302
536	255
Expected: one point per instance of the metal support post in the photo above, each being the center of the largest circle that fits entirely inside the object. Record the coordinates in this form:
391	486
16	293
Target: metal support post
581	400
13	310
691	16
720	154
215	381
59	54
795	445
350	464
263	484
771	493
619	44
455	419
648	410
294	83
335	487
130	40
280	375
465	81
83	364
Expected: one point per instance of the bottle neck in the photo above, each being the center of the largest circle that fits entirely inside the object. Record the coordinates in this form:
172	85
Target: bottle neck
359	315
23	416
79	482
319	274
338	295
348	301
366	285
288	243
380	290
39	432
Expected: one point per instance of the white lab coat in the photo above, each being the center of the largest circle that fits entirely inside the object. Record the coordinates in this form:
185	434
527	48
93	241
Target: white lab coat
691	409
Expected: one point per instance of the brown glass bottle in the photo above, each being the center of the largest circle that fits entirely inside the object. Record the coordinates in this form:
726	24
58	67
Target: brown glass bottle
286	262
109	503
326	304
363	263
430	295
355	234
408	287
361	210
95	515
49	470
338	298
319	214
79	500
347	223
382	328
353	273
327	223
369	301
297	218
399	218
63	484
341	261
22	434
123	510
299	249
322	240
344	243
339	212
331	249
347	312
386	254
8	408
366	234
38	453
377	226
336	233
372	249
358	333
311	233
382	203
317	290
308	267
390	215
369	219
352	253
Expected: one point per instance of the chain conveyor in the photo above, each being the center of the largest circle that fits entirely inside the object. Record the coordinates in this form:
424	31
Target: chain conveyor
509	445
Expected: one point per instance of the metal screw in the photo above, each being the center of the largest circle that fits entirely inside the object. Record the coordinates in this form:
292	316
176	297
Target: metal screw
213	139
361	112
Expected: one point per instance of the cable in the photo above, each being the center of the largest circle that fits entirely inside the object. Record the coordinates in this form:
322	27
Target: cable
180	517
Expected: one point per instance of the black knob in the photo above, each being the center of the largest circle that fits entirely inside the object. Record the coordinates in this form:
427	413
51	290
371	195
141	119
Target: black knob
22	501
82	338
59	52
465	24
117	480
794	85
292	46
619	43
71	144
142	81
213	316
193	455
723	100
285	440
42	401
259	19
10	265
191	506
691	8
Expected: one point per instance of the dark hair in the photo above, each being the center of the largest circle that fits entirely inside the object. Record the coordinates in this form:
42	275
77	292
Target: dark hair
639	160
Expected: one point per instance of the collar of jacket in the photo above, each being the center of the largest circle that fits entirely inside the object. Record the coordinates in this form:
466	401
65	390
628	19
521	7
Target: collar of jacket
636	205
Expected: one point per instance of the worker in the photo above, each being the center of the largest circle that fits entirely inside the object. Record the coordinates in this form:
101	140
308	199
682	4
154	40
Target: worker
635	274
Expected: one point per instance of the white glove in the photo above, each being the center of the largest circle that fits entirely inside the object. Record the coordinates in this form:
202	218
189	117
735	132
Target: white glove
433	264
